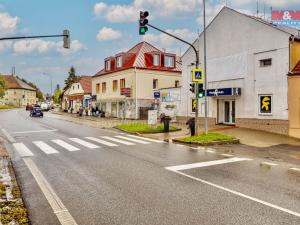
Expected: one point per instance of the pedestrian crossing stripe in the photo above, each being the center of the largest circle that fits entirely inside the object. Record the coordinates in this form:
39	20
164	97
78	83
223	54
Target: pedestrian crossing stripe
134	140
118	141
84	143
102	141
45	147
146	139
65	145
22	150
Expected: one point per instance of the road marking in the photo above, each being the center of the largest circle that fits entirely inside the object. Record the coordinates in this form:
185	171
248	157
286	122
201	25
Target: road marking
65	145
294	170
118	141
211	151
240	194
84	143
63	215
33	131
22	150
227	155
134	140
179	145
45	147
8	136
102	141
269	164
205	164
146	139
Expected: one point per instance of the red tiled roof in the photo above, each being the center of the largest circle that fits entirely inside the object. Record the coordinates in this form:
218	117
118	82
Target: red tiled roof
15	83
136	57
86	83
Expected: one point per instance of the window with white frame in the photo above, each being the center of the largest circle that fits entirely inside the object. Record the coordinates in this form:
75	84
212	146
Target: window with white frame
107	65
156	60
169	61
119	61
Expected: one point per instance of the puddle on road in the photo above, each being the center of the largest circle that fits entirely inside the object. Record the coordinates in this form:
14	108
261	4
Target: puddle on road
264	167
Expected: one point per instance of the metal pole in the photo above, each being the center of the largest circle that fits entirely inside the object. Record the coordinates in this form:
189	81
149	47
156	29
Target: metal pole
205	78
29	37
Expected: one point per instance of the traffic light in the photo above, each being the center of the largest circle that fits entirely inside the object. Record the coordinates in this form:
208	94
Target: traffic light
66	35
143	22
192	87
200	91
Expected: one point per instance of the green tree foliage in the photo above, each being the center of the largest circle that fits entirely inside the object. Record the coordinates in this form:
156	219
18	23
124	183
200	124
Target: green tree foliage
57	93
3	86
72	78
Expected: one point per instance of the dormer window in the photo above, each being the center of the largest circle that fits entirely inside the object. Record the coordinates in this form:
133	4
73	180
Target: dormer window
169	61
119	61
156	60
107	65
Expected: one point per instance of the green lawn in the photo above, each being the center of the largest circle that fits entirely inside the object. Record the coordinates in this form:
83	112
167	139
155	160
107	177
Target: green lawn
204	138
6	107
144	128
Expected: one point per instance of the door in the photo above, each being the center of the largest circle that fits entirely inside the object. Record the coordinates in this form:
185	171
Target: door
114	109
229	112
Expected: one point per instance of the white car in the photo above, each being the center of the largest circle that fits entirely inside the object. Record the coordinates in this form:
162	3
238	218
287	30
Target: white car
44	106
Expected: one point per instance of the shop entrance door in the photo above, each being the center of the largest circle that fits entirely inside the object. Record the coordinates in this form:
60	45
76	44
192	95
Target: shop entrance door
229	112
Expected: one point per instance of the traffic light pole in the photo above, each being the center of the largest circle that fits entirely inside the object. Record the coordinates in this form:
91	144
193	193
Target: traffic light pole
197	66
205	78
27	37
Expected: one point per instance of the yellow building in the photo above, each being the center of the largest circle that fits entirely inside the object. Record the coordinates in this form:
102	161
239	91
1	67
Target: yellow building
126	85
18	93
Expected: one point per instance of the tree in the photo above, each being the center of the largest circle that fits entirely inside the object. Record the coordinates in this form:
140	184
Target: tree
3	86
72	78
57	93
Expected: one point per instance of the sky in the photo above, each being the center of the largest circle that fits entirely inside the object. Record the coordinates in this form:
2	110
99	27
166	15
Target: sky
100	29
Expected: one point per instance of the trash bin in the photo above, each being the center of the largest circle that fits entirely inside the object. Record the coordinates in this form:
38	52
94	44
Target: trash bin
166	121
191	124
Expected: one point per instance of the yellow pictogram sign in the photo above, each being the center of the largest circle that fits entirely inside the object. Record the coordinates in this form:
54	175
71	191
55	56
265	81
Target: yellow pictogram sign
194	105
266	104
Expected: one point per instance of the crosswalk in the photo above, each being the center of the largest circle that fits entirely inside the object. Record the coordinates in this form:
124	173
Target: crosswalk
78	144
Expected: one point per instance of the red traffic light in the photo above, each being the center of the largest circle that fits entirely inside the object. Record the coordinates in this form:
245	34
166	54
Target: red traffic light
143	15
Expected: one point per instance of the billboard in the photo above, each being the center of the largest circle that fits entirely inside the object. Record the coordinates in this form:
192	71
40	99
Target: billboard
286	17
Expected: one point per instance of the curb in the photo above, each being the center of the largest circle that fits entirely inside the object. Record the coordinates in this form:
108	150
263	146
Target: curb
132	132
235	141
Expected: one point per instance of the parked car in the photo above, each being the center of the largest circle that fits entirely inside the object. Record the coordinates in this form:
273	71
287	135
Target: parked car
29	107
44	106
36	112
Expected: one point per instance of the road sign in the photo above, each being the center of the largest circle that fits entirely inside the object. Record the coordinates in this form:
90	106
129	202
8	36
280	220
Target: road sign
198	75
156	94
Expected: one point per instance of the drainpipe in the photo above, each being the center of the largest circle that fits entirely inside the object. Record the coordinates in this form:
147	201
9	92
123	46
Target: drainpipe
136	107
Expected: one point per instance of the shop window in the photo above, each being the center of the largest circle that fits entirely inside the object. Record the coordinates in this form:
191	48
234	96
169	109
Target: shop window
176	83
122	83
265	62
169	61
104	87
156	60
155	83
265	104
97	88
115	85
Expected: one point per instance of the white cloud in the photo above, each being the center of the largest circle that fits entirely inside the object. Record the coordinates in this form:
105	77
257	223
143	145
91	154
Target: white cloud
211	10
41	46
8	24
99	8
4	45
107	34
128	13
274	3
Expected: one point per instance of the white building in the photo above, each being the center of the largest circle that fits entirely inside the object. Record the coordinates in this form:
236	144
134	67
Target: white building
248	60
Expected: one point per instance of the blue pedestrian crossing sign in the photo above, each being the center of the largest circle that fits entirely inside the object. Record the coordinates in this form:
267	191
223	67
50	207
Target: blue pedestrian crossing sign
198	75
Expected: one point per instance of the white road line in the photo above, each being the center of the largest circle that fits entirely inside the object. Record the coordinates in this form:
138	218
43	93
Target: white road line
240	194
63	215
134	140
102	141
179	145
205	164
118	141
22	150
33	131
45	147
294	169
84	143
65	145
211	151
146	139
269	164
8	136
227	155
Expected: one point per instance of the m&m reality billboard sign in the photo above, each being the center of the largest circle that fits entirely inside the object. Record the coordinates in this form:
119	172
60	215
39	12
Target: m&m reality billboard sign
286	17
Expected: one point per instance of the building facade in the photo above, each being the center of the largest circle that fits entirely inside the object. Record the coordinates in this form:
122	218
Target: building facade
18	93
124	88
248	60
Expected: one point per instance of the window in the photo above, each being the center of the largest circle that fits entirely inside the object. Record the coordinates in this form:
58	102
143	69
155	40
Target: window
122	83
104	87
265	62
169	61
119	61
107	65
156	60
155	84
265	104
78	86
115	85
176	83
97	88
73	87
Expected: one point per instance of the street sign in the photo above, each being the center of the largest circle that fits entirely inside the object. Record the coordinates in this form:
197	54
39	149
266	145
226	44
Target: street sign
198	75
156	94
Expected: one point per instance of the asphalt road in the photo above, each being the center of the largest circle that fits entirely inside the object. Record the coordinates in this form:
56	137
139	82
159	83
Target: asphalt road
69	179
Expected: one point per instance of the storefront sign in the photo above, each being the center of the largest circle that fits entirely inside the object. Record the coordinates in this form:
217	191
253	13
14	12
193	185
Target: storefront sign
224	92
156	94
194	105
286	17
265	103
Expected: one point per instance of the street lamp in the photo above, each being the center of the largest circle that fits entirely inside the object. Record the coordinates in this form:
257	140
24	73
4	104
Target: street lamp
50	76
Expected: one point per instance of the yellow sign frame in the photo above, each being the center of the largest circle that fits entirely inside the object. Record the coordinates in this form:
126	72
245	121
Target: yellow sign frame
197	80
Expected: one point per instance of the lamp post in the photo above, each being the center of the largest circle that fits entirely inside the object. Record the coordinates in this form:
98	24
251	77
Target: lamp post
205	70
50	76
